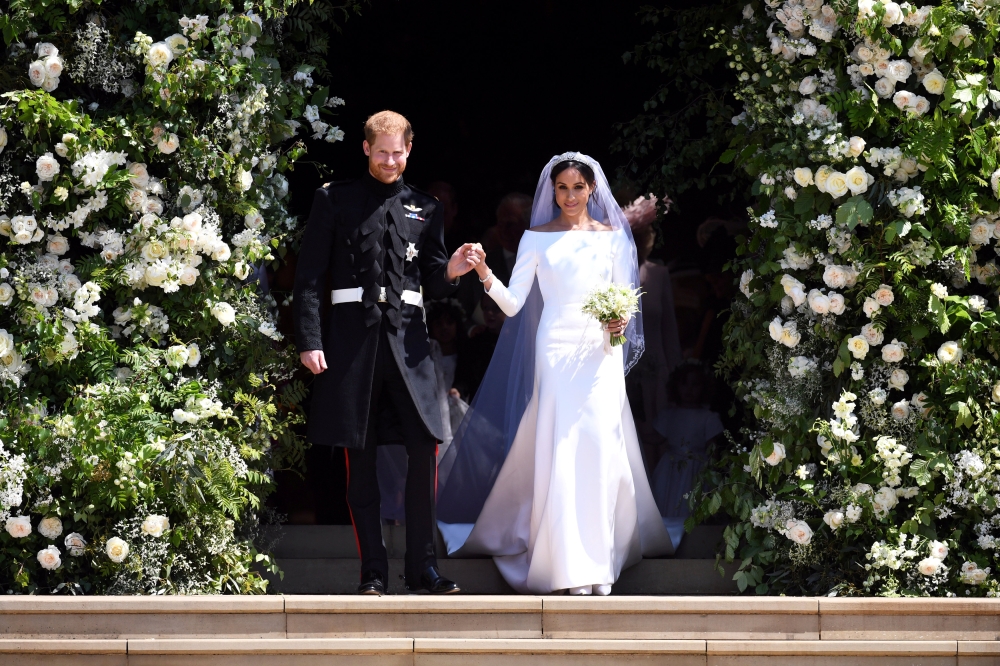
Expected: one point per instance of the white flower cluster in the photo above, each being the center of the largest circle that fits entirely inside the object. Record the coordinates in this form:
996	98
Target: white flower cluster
12	369
908	200
771	514
787	333
894	163
844	424
894	456
196	409
21	229
193	27
971	574
93	165
13	473
800	366
44	72
100	61
149	319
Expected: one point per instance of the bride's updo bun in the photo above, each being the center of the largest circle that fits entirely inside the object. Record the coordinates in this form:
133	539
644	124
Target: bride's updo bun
585	170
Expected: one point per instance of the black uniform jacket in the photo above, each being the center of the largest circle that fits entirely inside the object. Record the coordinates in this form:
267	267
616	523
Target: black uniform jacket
353	229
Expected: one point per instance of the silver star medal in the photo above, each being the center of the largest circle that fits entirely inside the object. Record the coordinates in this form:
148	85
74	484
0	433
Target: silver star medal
411	252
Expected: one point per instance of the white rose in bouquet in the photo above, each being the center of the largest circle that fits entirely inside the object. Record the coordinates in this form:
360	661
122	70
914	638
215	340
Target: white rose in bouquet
75	543
858	347
858	180
977	303
253	220
893	14
836	184
803	176
949	352
877	396
6	294
155	525
929	566
898	378
835	277
799	531
745	280
189	275
50	527
138	174
49	558
53	66
821	176
794	289
872	335
774	329
116	549
834	519
241	270
36	73
777	454
47	167
18	526
221	252
790	335
901	410
50	83
962	36
224	312
3	138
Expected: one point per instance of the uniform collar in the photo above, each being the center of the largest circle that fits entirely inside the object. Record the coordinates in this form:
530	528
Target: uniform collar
382	190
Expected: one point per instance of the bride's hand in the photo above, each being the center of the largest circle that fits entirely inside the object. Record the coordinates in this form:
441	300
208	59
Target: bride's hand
616	326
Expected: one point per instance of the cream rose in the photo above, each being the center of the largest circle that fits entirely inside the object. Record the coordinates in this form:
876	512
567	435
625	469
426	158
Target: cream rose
949	352
221	252
856	146
834	519
996	392
885	499
47	167
884	296
872	335
807	86
858	180
938	550
818	302
224	312
858	347
892	353
837	305
777	455
884	87
870	307
168	143
50	527
159	55
774	330
934	82
194	355
57	245
980	232
929	566
18	526
155	525
799	531
6	294
803	176
189	275
836	185
116	549
138	174
898	378
49	558
75	543
821	176
36	73
901	410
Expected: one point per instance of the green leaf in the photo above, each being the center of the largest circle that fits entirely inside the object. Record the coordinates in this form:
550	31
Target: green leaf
920	472
919	331
855	211
936	308
805	202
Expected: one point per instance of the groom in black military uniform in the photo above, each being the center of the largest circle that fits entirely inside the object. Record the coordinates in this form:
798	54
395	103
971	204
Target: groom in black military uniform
375	242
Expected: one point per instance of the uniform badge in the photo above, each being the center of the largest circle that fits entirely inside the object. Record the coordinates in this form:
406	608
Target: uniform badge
412	208
411	252
414	216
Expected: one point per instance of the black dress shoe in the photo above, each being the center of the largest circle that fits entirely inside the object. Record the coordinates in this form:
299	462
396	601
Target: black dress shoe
372	582
432	581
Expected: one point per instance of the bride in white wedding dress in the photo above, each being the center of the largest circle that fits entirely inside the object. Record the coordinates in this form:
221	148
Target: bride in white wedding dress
569	505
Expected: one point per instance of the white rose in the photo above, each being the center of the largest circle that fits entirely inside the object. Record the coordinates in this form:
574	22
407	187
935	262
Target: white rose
892	353
949	352
980	232
885	498
116	549
774	329
929	566
3	138
246	179
884	87
857	180
50	83
36	73
893	14
155	525
870	307
996	392
50	527
53	66
898	378
176	42
253	220
934	82
57	245
856	146
138	174
803	176
938	550
866	8
808	85
837	305
194	355
221	252
883	295
836	184
901	410
189	275
45	49
834	519
18	526
75	543
49	558
777	455
153	250
159	55
872	335
47	167
818	302
6	294
821	176
977	303
962	36
900	70
176	356
156	274
224	312
241	270
790	335
168	143
858	347
799	531
835	277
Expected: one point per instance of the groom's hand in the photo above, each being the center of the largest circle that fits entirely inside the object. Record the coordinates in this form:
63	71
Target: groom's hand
464	260
314	359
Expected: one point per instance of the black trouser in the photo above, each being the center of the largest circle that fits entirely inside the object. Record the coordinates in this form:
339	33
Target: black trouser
390	394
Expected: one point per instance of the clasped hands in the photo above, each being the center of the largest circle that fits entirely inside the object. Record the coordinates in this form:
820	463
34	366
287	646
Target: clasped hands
466	258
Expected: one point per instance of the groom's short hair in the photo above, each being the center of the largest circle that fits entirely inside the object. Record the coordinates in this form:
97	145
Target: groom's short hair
387	122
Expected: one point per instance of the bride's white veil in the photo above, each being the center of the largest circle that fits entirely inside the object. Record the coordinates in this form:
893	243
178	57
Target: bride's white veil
470	466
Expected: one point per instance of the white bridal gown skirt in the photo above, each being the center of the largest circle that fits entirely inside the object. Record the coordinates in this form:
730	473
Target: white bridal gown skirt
571	505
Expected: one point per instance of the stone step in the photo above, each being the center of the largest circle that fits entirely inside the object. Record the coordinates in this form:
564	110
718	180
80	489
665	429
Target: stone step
492	652
480	576
622	618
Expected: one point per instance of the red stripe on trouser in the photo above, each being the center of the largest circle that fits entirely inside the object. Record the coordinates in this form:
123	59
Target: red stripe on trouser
357	541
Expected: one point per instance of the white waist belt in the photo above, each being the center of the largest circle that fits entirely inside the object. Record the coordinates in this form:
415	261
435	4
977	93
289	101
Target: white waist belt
356	294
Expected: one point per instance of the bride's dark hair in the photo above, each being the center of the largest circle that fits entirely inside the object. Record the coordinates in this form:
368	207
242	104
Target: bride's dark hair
585	170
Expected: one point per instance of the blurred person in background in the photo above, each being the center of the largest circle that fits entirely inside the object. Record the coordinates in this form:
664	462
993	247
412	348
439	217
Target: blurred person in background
500	244
445	193
476	351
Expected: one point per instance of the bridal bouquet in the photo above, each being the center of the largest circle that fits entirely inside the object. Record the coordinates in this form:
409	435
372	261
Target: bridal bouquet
616	301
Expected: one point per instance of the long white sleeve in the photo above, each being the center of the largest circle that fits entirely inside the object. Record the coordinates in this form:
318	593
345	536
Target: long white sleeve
511	299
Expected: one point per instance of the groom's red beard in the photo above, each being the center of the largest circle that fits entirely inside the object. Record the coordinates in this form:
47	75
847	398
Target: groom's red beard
384	176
